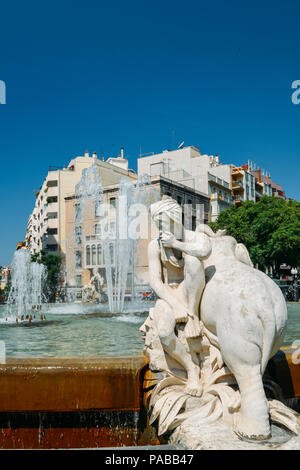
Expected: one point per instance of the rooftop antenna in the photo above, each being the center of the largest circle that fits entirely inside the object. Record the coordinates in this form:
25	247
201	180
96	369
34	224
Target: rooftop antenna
180	145
101	154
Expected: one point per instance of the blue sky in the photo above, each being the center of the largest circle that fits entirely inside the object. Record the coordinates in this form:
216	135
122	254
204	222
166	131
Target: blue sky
98	75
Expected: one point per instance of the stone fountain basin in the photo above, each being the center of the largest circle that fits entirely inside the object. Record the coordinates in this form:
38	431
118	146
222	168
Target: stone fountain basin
73	403
93	402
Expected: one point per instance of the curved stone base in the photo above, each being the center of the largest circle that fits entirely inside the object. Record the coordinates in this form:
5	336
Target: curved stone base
219	436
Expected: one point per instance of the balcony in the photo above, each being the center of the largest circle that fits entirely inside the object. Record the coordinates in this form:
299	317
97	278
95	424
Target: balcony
93	238
217	180
211	177
237	185
225	199
238	199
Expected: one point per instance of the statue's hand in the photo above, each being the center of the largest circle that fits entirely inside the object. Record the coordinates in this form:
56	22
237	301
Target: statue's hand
168	240
180	312
180	315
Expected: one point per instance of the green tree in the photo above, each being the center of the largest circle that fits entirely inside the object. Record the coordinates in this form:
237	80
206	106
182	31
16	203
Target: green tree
53	265
269	228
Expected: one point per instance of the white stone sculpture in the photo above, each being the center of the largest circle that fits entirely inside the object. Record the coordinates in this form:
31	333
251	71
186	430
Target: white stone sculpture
93	291
211	333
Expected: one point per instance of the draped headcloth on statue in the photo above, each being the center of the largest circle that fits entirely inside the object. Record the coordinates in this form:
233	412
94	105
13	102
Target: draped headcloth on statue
167	206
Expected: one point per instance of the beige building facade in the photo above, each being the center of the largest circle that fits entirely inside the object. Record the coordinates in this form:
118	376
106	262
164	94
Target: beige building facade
190	168
46	228
83	260
201	185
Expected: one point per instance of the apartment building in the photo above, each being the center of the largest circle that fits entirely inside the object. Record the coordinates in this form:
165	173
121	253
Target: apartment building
268	186
88	254
201	173
250	185
46	228
197	182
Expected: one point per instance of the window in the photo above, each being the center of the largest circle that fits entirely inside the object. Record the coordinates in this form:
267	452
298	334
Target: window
77	234
99	208
51	199
78	259
52	183
53	247
112	202
99	255
179	200
52	231
97	229
93	255
112	253
78	280
77	211
52	215
88	255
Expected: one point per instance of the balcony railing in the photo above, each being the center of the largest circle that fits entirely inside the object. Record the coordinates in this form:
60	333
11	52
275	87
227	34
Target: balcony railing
218	180
237	185
212	177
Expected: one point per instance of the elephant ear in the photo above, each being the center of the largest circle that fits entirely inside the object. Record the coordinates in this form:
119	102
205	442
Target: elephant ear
242	254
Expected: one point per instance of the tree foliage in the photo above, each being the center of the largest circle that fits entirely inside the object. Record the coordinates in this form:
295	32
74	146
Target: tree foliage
4	293
53	265
269	228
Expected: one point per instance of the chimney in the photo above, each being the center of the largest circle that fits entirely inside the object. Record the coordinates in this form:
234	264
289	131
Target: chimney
86	153
94	155
259	175
122	152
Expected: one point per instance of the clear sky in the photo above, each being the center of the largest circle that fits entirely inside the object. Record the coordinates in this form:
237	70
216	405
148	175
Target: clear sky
97	76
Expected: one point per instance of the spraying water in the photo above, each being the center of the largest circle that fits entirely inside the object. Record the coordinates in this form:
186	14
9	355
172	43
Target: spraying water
117	240
26	285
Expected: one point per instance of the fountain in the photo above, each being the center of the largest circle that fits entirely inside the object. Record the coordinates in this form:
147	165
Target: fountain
27	282
119	245
50	396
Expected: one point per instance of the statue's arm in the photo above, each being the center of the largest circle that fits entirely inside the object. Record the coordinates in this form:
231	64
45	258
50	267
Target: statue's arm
199	246
155	275
204	228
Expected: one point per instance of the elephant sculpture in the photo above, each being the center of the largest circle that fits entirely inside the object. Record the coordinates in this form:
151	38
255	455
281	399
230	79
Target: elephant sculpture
245	314
212	303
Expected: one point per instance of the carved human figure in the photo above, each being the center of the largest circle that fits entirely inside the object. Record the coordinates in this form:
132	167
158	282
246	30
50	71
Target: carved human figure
94	289
244	314
172	276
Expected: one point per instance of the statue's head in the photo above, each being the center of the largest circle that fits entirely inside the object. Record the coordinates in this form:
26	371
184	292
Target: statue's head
167	214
